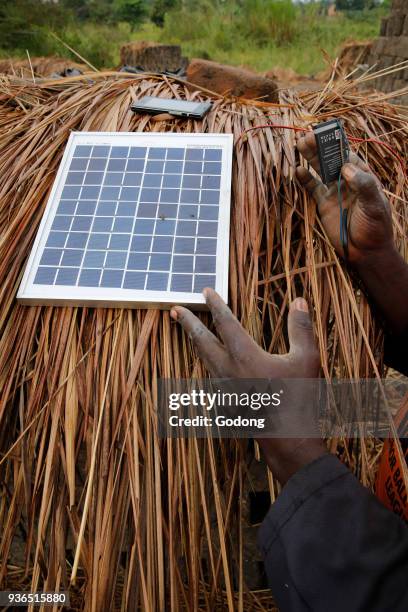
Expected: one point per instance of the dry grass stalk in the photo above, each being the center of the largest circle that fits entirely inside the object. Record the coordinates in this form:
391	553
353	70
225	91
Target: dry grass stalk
133	521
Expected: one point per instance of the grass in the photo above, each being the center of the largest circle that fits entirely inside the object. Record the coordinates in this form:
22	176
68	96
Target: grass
263	40
260	35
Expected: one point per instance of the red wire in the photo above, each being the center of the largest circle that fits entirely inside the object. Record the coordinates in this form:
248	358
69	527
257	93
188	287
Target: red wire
276	125
382	144
351	138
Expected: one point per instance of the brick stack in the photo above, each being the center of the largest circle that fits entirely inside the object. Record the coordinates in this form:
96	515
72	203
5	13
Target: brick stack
391	48
152	57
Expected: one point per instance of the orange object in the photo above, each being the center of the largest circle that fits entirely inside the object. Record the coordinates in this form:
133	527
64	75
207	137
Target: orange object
391	485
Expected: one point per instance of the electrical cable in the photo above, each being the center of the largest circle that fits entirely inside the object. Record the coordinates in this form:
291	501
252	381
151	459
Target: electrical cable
343	220
296	128
343	212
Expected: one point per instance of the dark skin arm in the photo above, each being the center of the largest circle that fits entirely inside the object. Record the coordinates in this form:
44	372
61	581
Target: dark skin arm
238	356
372	252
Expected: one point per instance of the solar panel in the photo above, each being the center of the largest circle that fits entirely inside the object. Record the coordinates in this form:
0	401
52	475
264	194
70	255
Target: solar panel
134	219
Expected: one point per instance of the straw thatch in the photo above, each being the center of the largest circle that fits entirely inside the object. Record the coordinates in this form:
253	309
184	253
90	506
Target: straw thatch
97	499
353	53
34	67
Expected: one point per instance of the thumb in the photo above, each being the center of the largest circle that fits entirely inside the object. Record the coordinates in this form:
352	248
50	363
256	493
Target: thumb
300	329
365	186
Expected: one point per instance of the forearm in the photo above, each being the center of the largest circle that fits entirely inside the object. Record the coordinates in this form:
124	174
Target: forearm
285	457
385	277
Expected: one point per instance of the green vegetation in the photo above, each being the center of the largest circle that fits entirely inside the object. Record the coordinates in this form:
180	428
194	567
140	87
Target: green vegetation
263	33
260	34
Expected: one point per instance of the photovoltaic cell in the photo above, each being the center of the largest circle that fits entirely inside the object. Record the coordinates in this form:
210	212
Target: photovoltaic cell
142	218
134	280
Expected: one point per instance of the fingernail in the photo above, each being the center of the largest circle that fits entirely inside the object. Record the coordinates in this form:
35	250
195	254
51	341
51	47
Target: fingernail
349	171
300	304
205	292
173	314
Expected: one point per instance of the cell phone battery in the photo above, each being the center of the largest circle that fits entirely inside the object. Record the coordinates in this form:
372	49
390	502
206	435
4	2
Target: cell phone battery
332	147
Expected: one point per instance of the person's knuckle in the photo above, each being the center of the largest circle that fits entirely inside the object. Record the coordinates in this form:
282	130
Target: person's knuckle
304	321
368	183
181	315
301	142
384	207
197	332
220	316
317	190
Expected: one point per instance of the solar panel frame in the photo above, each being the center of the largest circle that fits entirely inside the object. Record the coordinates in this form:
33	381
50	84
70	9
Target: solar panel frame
60	294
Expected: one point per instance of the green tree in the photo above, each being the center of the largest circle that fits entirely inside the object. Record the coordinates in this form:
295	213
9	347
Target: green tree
24	24
131	11
350	5
100	11
79	8
159	10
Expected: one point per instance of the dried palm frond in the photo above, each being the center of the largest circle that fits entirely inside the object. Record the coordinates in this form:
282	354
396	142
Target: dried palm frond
104	507
34	67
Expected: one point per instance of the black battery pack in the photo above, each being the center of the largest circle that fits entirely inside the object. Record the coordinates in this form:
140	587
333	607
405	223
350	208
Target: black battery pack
332	147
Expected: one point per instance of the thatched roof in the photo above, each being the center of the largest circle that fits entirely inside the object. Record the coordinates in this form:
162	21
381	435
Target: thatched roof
34	67
97	496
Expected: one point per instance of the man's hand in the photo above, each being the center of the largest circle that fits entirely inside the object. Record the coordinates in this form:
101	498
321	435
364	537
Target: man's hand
238	356
371	248
369	216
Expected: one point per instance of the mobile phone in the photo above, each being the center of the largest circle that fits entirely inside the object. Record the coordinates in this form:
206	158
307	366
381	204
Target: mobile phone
180	108
332	147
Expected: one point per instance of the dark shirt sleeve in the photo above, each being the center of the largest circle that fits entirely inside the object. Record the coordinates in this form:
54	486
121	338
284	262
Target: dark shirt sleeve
329	544
395	352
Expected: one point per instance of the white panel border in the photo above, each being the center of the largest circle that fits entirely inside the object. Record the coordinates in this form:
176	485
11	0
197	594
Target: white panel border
59	295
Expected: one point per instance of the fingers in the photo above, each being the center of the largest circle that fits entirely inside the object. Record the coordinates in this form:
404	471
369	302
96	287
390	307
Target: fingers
357	161
307	147
366	186
235	338
300	330
238	343
314	186
208	346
